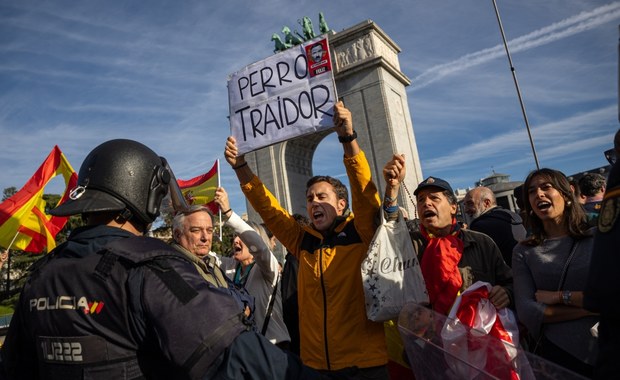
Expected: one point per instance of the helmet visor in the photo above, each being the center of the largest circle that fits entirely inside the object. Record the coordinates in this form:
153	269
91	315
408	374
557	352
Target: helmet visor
83	200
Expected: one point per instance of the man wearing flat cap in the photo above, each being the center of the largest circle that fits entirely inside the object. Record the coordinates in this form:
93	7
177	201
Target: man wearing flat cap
452	258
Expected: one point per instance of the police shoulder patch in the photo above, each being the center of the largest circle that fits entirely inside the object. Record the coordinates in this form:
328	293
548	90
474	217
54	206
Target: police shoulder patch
608	216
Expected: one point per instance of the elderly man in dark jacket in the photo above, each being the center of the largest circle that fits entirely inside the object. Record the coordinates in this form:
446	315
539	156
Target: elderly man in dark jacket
503	226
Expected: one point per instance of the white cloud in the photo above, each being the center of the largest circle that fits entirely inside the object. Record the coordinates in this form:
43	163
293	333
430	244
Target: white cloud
557	31
561	137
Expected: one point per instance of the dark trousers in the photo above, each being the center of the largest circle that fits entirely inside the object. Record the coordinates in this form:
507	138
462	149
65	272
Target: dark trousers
252	356
554	353
608	363
354	373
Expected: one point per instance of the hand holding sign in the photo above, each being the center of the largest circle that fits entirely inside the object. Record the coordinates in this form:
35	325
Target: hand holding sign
343	122
288	95
236	161
231	152
343	125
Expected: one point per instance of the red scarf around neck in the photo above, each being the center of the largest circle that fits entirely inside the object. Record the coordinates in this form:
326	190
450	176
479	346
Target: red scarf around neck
439	268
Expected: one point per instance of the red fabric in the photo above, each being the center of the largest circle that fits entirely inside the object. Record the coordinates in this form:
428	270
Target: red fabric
440	268
201	190
23	222
498	359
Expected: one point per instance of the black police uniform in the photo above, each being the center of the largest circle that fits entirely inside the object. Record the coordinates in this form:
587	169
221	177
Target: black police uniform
110	305
603	287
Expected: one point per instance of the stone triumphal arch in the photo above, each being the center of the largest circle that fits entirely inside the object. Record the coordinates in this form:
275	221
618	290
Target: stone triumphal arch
369	81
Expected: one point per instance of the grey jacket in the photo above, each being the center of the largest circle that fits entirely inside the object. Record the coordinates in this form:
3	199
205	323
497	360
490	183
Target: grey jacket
540	268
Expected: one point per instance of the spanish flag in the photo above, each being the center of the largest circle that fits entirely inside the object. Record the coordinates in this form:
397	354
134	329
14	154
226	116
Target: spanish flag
23	221
201	190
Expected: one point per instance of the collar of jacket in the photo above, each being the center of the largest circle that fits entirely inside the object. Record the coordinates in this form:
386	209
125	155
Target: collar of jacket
337	226
468	237
190	256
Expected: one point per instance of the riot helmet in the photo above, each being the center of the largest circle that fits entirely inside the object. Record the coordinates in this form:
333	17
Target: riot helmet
120	175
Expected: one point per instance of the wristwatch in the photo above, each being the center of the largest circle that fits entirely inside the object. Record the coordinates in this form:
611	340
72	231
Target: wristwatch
348	138
566	297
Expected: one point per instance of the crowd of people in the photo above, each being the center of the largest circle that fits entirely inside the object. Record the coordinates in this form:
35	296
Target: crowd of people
112	303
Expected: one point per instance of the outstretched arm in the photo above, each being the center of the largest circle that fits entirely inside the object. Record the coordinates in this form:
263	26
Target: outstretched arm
238	163
393	173
263	256
364	195
284	227
221	199
343	125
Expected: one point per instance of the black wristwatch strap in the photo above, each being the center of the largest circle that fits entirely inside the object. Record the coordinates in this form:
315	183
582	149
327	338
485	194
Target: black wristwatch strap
347	139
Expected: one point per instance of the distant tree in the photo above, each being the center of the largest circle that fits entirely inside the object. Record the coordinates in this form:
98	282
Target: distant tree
51	200
223	247
20	264
8	192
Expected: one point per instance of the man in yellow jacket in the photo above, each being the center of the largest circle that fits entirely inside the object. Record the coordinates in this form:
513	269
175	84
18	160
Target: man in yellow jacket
335	334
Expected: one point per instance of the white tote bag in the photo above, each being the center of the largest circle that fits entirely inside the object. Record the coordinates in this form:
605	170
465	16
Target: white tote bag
391	272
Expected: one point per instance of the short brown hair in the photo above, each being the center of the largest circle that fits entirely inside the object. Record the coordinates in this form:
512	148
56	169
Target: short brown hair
339	188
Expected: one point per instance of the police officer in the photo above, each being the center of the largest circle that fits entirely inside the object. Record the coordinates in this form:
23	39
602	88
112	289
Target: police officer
112	304
601	294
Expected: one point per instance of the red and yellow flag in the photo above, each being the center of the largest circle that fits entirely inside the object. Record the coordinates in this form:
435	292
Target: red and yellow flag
23	220
201	190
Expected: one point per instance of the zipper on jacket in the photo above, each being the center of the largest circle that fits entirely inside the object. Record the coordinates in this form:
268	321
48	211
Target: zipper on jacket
324	308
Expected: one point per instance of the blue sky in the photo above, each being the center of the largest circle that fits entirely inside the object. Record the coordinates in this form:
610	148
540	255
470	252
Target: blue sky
77	73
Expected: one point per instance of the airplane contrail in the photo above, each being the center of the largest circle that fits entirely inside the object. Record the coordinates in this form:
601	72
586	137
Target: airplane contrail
556	31
558	133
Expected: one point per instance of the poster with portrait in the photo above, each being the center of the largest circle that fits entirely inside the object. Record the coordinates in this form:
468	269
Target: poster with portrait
287	95
317	55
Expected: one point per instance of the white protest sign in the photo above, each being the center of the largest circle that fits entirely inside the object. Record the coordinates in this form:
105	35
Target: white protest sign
287	95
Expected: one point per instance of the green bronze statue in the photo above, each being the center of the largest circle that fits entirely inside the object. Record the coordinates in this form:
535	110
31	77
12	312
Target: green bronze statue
290	38
293	39
279	45
323	28
306	25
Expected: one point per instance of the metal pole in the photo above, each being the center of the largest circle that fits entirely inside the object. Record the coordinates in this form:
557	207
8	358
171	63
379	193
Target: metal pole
8	265
514	77
8	274
219	184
